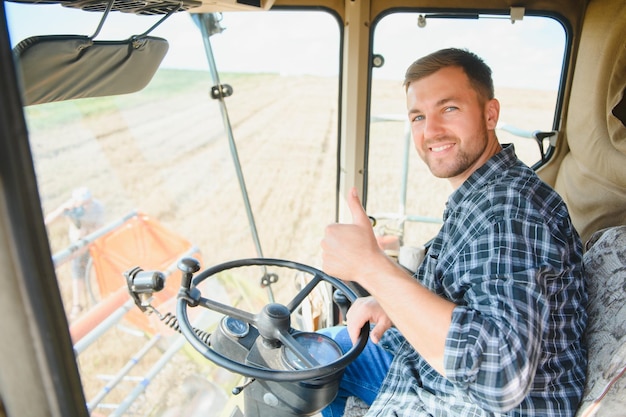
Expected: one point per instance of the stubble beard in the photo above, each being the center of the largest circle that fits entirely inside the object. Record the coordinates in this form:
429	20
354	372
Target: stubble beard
463	161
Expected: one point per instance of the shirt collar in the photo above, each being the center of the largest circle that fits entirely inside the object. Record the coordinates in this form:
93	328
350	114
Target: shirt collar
496	165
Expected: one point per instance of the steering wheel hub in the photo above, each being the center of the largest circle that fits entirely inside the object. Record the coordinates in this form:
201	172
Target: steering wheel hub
276	311
273	320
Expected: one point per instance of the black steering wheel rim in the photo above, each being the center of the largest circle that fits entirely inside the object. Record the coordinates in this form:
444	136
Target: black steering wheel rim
266	373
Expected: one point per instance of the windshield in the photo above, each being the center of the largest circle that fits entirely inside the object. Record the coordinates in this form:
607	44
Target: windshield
145	178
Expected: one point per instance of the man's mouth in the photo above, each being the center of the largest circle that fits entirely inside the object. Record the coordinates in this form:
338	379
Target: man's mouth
441	148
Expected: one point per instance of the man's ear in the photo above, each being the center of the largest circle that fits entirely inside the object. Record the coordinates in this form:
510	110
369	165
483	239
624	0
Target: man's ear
492	113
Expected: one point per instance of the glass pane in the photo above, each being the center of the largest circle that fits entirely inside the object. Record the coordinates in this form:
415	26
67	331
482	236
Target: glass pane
159	165
526	59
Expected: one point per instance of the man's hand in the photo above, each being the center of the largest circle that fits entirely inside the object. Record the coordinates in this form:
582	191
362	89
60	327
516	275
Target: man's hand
349	250
362	311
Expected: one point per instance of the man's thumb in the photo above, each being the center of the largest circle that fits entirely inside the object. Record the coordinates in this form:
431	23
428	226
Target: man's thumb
376	333
359	217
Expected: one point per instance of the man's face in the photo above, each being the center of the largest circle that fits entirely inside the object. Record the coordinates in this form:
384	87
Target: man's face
453	130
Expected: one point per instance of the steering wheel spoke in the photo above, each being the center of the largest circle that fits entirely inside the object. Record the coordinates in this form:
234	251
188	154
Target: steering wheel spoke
290	343
228	310
304	292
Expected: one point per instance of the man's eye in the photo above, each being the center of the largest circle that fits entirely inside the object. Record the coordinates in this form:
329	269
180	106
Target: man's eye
418	118
451	108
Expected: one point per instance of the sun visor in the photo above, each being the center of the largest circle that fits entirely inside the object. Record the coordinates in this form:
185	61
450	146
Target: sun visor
65	67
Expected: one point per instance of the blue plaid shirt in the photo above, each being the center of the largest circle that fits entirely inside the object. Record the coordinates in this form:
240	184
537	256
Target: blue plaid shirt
510	259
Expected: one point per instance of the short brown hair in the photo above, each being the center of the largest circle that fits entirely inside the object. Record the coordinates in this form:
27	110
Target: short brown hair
477	71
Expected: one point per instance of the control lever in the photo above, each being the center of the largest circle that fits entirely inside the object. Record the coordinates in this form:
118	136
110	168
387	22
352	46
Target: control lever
342	302
237	390
188	266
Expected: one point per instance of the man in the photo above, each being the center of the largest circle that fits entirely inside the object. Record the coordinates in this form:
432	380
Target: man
492	321
84	215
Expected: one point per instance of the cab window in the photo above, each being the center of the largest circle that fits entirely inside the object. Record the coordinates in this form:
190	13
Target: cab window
526	57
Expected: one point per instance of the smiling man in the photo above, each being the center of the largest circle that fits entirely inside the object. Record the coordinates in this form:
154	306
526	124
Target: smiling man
453	125
492	321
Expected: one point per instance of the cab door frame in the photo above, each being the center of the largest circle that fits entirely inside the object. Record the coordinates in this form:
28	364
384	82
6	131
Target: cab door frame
39	372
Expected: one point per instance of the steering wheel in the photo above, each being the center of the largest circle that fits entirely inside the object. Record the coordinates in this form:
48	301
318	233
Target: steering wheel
273	323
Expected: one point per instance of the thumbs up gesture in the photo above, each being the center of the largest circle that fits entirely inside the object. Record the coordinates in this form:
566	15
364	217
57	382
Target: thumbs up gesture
349	251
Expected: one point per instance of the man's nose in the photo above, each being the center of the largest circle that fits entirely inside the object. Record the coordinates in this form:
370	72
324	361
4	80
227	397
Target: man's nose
433	127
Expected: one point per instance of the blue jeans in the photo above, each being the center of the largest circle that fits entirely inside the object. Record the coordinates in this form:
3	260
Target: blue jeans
363	377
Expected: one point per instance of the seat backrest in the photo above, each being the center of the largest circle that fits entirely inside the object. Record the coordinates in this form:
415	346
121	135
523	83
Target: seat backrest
591	177
605	271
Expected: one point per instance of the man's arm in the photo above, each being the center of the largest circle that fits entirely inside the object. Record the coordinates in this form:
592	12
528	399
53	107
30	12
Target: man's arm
488	343
352	253
58	212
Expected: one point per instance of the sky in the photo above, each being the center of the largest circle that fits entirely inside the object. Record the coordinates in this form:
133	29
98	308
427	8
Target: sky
527	54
